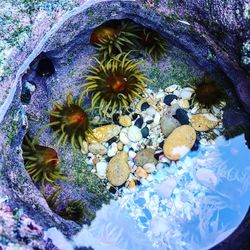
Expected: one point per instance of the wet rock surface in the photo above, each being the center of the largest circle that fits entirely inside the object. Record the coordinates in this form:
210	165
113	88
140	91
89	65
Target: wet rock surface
19	187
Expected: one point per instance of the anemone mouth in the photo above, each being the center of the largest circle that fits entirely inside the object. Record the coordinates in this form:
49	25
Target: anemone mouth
117	83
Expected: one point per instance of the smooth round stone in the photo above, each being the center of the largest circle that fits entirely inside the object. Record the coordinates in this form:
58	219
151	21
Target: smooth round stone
204	122
184	104
97	148
101	168
119	145
124	136
118	169
145	132
145	156
144	106
171	88
181	116
169	98
149	167
186	93
179	142
141	172
139	122
168	124
151	111
134	134
125	121
112	149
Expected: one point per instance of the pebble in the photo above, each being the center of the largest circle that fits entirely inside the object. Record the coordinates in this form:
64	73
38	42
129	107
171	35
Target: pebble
181	116
204	122
186	93
125	121
151	111
206	177
139	122
145	132
183	103
149	167
144	106
179	142
145	156
132	185
168	124
101	168
142	173
112	149
166	188
134	134
97	148
124	136
131	154
103	133
171	88
169	98
157	119
118	169
119	145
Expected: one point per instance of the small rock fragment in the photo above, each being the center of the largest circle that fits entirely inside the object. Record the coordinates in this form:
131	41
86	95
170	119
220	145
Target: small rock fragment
145	132
101	168
168	124
124	136
139	122
141	172
97	148
204	122
112	149
125	121
181	116
103	134
134	134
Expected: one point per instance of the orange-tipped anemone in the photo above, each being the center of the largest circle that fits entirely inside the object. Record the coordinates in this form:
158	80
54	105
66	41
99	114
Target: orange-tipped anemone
69	121
115	83
42	163
102	33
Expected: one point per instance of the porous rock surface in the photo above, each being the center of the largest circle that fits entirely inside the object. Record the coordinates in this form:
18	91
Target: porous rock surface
212	32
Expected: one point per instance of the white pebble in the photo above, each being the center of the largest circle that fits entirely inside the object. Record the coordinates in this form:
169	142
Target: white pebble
157	119
101	168
124	136
151	111
177	93
186	93
112	149
131	154
171	88
134	134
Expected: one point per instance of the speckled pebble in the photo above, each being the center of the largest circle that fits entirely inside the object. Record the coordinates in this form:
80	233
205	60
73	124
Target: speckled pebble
125	121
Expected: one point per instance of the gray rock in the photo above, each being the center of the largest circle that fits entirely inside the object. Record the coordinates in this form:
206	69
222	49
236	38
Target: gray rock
168	124
145	156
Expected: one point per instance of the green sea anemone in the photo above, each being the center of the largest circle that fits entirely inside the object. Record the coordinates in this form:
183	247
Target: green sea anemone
77	211
42	163
69	121
74	210
115	83
115	37
153	43
208	93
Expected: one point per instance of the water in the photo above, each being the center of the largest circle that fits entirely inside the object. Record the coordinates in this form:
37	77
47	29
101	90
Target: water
180	208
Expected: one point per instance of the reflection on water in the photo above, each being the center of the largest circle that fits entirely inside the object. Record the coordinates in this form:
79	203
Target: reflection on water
192	204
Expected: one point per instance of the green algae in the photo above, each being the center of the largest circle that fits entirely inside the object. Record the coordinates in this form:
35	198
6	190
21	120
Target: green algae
81	176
